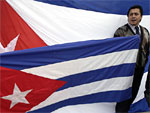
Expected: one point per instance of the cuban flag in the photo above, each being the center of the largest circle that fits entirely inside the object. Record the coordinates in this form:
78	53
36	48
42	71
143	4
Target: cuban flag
62	77
29	24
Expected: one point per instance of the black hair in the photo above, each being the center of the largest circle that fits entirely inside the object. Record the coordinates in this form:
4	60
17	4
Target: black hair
136	7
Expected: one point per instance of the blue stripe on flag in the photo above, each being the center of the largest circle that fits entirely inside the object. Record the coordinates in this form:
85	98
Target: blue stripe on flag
148	63
123	70
105	6
140	106
65	52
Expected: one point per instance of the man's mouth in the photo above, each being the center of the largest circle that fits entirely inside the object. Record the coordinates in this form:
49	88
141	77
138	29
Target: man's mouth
133	20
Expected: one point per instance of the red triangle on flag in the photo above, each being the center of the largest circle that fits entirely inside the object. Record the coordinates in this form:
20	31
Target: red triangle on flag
21	91
12	25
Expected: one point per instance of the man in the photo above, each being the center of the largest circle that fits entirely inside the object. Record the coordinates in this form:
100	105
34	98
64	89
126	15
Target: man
132	28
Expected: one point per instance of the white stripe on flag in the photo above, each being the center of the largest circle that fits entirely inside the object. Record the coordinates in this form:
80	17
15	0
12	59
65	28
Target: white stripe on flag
140	94
119	83
62	69
88	108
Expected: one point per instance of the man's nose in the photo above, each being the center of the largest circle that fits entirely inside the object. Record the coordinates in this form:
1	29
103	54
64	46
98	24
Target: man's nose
133	15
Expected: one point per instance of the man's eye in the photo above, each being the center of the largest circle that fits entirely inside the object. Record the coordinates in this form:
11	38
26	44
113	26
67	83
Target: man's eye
136	14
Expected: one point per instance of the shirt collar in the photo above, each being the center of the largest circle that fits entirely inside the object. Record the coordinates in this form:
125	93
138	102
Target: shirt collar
133	28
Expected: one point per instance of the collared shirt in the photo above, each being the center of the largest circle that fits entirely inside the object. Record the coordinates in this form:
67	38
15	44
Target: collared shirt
133	28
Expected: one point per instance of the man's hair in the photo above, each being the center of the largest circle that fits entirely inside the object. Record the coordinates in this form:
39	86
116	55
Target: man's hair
136	7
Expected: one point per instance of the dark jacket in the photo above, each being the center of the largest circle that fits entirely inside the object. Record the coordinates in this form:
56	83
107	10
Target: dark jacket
144	45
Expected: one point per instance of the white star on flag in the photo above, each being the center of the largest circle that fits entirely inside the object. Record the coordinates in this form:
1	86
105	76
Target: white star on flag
17	96
10	47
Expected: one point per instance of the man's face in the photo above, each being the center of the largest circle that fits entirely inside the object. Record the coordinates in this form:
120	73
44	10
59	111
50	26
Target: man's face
134	17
